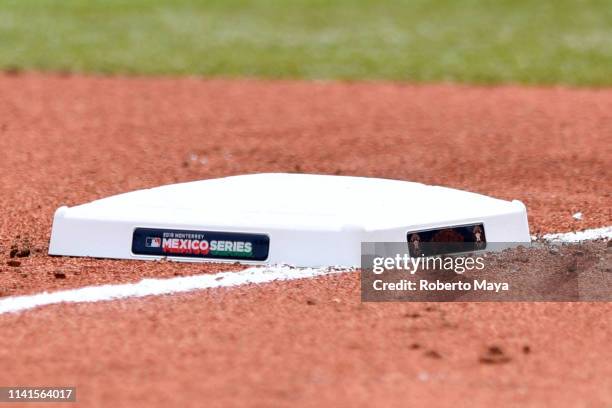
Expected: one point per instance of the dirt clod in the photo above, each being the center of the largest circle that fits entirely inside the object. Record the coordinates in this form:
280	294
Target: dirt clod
495	351
23	253
491	360
522	257
13	263
415	346
494	355
59	275
433	354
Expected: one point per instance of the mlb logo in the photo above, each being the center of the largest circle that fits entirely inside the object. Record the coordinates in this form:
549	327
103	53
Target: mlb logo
153	242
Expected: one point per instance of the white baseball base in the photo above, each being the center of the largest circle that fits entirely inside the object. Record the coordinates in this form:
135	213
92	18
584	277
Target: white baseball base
295	219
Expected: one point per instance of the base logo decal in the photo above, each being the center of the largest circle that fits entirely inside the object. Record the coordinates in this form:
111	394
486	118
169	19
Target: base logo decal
447	240
201	244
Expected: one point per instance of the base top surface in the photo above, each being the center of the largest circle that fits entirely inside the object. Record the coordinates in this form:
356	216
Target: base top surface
295	199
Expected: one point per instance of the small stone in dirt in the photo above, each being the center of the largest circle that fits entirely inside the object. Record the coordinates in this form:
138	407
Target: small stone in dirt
433	354
577	216
13	252
59	275
311	302
13	263
573	265
553	250
23	253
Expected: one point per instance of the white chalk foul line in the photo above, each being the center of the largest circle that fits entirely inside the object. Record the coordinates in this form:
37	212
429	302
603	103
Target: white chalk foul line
579	236
149	287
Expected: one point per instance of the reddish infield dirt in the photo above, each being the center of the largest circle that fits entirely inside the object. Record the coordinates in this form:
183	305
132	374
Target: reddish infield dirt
313	343
65	140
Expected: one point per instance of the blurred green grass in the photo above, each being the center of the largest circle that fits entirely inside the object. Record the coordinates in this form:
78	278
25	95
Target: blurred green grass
543	42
